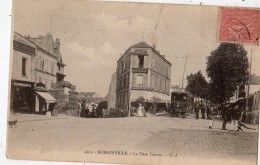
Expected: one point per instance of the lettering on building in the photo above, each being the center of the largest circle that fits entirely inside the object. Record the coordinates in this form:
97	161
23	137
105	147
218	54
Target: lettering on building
23	47
140	70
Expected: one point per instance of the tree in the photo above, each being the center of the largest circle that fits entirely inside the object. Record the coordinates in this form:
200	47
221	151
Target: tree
227	68
197	85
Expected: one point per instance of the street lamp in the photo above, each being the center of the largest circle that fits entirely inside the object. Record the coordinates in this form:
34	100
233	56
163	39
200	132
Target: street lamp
186	57
249	79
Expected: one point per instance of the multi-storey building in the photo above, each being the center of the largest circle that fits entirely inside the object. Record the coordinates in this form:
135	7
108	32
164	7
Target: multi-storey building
142	72
37	65
22	75
49	65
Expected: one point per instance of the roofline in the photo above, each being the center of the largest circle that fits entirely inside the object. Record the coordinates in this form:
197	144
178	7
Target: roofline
24	38
37	46
154	50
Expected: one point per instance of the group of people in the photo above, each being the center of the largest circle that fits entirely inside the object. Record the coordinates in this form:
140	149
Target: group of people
206	110
88	111
139	111
230	113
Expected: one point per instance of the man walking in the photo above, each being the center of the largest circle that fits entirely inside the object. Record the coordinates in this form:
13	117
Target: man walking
225	115
203	110
197	111
210	115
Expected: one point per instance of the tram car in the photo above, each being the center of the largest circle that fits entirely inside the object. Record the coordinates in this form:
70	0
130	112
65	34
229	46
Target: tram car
180	103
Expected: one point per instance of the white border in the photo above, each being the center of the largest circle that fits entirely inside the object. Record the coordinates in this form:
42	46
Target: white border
5	26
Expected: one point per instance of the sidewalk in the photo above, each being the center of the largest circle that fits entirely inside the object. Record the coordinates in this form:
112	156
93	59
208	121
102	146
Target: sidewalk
34	117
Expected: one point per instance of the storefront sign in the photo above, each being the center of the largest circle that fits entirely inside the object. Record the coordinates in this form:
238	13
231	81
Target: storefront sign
140	70
141	52
22	84
23	47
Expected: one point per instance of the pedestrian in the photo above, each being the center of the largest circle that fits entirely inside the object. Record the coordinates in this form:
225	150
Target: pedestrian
225	115
211	115
143	111
208	112
83	106
139	110
234	117
197	111
203	110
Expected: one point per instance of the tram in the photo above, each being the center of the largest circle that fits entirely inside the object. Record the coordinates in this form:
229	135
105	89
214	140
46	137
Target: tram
180	103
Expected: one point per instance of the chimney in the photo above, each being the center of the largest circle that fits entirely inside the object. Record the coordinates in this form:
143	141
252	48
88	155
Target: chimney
154	46
57	43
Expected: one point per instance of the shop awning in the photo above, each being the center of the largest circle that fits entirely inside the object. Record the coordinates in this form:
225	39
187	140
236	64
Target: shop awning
47	97
148	96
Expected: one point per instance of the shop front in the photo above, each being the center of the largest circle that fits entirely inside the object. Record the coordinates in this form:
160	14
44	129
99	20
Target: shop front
44	101
22	99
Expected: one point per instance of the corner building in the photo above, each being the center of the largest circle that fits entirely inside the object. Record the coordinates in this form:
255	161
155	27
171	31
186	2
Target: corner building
142	72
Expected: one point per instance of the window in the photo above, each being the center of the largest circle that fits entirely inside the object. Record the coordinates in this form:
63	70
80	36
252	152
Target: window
52	68
139	80
153	81
24	66
39	80
158	84
42	65
46	66
46	84
141	61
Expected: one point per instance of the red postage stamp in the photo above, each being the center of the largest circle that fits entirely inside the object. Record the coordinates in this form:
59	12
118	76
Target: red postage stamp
239	25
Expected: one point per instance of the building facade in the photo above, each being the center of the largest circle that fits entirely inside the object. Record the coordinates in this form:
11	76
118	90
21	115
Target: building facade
37	65
142	72
49	66
22	75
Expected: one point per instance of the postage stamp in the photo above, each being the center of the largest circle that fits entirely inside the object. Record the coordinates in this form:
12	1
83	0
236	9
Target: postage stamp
239	25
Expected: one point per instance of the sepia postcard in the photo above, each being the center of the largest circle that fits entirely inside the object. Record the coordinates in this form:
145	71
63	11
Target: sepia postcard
133	83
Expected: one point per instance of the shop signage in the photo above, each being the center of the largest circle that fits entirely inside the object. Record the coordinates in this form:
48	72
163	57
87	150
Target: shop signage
141	52
23	47
140	70
22	84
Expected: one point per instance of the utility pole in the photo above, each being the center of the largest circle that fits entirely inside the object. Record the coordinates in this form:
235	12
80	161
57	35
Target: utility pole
249	79
186	57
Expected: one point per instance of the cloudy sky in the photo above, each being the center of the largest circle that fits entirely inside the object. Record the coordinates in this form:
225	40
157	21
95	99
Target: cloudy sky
94	35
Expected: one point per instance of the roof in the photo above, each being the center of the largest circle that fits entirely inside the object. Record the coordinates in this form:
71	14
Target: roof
47	43
141	44
19	38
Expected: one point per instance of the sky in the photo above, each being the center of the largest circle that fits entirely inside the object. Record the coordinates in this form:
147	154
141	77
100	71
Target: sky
94	34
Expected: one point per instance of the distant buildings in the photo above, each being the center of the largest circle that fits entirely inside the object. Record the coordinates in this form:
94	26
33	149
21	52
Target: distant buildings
142	72
36	66
90	97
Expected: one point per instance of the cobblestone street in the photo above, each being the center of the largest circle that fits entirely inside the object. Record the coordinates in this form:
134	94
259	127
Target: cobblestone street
180	137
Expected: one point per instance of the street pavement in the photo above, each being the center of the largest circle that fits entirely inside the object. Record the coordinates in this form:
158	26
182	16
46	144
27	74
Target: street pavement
73	138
